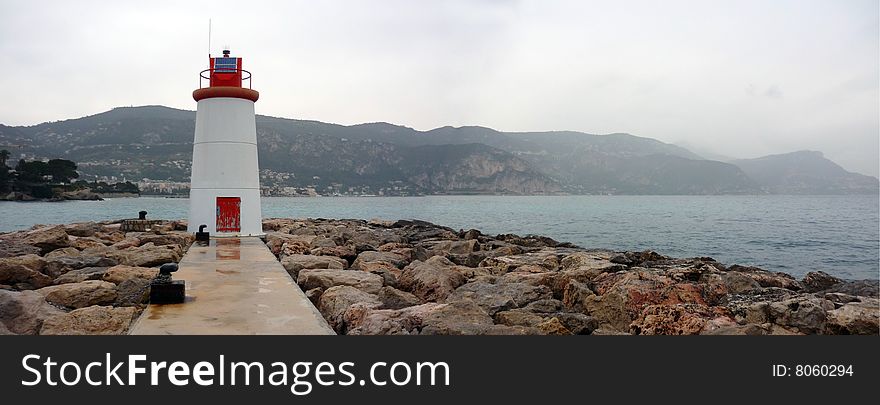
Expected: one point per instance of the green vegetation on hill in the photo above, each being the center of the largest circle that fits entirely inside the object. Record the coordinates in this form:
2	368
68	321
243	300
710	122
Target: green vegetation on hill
51	179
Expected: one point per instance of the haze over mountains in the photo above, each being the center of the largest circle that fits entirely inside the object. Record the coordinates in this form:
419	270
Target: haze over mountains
156	142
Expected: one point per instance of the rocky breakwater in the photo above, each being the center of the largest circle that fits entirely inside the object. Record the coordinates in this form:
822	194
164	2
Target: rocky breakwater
86	278
414	277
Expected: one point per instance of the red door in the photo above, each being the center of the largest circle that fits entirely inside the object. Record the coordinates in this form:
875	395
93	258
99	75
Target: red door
228	214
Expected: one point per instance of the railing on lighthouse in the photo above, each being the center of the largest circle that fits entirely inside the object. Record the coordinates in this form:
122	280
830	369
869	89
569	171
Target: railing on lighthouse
225	78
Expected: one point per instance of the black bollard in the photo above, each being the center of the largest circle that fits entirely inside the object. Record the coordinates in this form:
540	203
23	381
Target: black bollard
142	215
201	235
164	290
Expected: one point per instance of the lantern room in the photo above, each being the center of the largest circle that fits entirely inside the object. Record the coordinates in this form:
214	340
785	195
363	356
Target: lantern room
225	71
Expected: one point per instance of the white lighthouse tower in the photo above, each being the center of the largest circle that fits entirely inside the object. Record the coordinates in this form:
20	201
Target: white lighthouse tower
225	187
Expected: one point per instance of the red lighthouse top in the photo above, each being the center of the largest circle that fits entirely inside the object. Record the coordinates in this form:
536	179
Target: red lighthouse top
225	77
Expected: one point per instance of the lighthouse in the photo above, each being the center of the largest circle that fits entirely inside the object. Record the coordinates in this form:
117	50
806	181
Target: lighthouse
225	184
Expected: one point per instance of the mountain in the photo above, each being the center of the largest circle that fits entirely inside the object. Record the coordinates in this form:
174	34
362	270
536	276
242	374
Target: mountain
805	172
155	142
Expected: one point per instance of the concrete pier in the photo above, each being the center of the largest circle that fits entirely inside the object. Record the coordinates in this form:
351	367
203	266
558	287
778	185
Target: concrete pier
234	286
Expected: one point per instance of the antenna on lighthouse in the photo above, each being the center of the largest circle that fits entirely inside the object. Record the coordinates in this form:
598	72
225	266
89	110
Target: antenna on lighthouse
209	38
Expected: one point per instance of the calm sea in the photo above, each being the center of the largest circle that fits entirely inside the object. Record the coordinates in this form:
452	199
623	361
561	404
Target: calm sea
793	234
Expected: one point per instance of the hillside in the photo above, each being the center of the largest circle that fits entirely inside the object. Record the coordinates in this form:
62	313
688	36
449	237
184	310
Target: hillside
155	142
805	172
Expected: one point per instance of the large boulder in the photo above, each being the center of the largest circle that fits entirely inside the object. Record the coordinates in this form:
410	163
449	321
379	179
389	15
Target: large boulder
676	319
493	298
80	275
803	314
92	320
58	265
11	248
816	281
455	247
120	273
395	259
431	280
326	278
768	279
547	259
364	320
336	300
149	255
296	244
132	292
83	229
46	238
622	296
393	298
23	312
858	317
295	263
80	295
465	318
23	272
182	239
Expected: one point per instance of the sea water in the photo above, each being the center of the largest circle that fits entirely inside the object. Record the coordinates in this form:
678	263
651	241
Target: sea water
794	234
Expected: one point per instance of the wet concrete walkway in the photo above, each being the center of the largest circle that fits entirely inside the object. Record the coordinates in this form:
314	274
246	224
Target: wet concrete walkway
234	287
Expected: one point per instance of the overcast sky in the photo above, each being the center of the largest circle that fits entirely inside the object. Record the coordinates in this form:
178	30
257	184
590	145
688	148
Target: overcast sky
736	78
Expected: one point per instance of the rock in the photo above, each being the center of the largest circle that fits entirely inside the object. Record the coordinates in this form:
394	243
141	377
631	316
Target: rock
120	273
499	297
547	306
57	266
23	312
393	298
21	276
578	324
132	291
803	314
295	263
394	259
854	318
457	318
182	239
552	326
634	259
83	229
326	278
276	240
576	295
738	283
84	243
431	280
518	317
750	329
471	234
768	279
363	320
314	295
863	288
597	260
503	264
47	238
13	248
677	319
816	281
66	251
336	300
455	247
622	296
80	275
322	242
148	255
80	295
92	320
